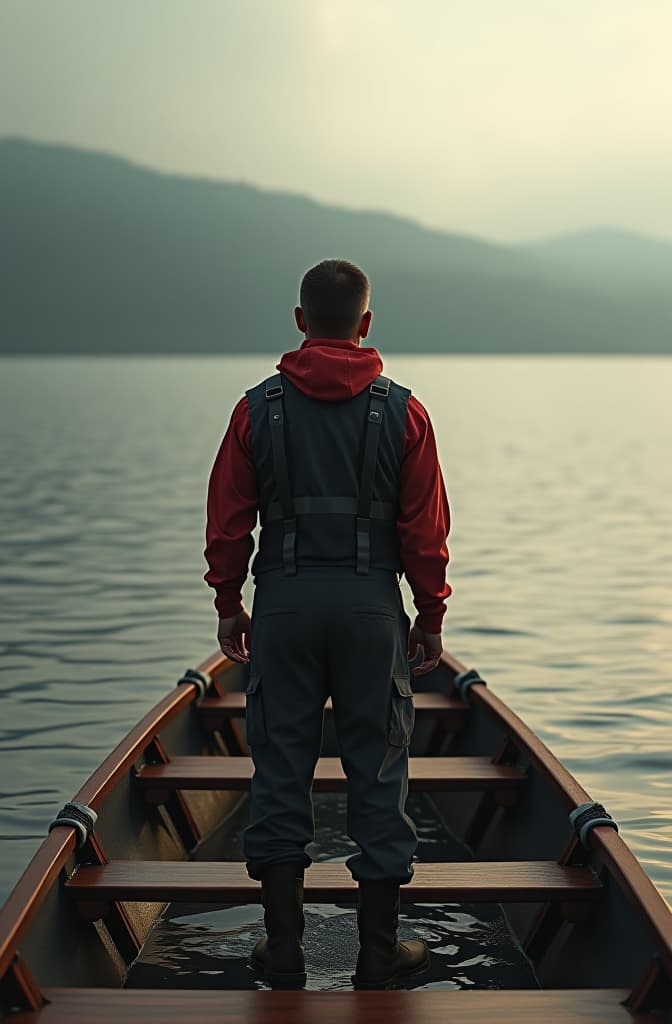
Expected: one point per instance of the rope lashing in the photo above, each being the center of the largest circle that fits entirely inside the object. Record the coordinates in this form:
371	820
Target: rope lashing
587	816
465	680
80	817
201	680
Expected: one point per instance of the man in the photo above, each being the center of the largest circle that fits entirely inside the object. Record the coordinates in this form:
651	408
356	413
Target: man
342	465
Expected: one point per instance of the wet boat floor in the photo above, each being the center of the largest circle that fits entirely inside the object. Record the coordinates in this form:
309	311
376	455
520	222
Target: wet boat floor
208	946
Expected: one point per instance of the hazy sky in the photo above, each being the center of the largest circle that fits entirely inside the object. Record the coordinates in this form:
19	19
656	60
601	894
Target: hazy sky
504	118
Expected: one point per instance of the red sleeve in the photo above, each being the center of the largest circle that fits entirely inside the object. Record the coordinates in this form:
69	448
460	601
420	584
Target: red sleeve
231	514
424	520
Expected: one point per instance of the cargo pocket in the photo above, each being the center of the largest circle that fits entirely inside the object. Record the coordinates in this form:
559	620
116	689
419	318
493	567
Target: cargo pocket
255	721
402	718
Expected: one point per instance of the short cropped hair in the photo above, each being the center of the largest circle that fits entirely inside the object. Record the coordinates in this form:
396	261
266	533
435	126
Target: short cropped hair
334	297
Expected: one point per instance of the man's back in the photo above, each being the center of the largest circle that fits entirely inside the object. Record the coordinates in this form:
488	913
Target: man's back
332	499
331	372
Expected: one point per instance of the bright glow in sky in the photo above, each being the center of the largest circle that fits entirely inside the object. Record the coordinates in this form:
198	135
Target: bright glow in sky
503	118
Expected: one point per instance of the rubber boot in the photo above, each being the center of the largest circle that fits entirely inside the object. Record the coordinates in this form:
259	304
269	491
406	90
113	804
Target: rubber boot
383	961
280	951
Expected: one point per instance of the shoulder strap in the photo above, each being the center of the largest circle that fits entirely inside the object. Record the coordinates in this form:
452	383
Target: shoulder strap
276	420
378	392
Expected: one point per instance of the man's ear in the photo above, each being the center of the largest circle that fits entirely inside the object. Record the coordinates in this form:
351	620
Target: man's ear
365	323
300	320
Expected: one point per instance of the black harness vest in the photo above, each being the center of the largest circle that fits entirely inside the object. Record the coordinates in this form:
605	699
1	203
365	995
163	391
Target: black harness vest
327	475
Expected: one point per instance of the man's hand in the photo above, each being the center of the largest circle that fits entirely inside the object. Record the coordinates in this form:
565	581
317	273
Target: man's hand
432	649
235	636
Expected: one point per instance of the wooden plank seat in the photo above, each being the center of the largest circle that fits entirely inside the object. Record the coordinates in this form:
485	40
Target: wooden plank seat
214	711
427	774
228	882
235	1006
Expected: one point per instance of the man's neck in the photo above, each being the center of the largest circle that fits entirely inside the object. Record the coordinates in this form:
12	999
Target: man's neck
316	339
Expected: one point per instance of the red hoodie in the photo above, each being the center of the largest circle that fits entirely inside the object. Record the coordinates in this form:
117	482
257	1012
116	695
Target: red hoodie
331	370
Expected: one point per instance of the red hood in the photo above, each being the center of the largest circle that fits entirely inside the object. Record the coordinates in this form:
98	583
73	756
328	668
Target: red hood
331	369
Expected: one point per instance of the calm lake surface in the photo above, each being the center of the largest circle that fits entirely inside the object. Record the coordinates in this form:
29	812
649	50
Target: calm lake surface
559	475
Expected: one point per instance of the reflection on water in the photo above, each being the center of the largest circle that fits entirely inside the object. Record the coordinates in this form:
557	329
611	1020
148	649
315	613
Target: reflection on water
470	944
560	482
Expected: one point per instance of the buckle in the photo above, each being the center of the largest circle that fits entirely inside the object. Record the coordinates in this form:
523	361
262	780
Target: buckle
274	391
382	390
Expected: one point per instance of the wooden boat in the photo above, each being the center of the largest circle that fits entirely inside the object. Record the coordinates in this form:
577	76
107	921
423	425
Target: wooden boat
595	929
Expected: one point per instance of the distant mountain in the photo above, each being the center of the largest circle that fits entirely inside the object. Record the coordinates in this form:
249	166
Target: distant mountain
607	256
98	254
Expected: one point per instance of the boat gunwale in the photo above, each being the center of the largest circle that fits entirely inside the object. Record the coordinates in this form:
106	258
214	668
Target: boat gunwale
52	855
32	887
623	865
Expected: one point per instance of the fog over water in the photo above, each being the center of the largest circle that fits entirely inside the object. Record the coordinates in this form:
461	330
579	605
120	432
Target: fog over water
560	484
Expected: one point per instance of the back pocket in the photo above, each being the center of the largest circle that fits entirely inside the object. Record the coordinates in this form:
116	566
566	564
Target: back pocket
402	716
381	613
255	720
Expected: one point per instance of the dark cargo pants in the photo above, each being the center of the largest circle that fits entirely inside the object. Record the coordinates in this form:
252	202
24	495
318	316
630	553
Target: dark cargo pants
329	632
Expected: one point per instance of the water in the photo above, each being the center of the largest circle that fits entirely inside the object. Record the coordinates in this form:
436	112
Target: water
560	481
471	945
